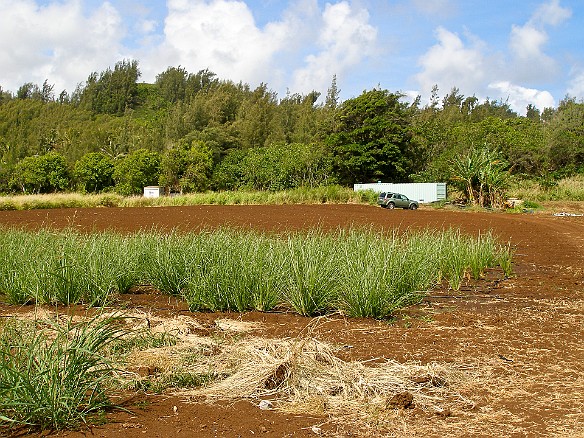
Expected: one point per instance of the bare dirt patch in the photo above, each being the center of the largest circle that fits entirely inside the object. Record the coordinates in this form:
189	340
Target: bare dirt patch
517	343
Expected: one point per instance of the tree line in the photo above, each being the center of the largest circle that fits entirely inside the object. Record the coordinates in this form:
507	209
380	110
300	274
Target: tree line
195	132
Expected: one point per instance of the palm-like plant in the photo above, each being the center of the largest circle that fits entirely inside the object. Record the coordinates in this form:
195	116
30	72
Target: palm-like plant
481	175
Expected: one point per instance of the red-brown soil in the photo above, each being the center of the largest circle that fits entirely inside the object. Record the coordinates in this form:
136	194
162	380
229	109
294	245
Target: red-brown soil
522	339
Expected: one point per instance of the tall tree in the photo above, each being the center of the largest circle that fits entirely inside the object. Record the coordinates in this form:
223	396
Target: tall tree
372	139
172	83
186	168
255	118
94	172
113	91
565	137
42	174
135	171
481	175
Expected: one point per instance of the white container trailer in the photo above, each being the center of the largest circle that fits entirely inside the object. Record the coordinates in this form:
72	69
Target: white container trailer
421	192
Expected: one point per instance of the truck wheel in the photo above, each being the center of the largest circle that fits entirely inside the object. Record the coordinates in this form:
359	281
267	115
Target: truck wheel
391	205
413	207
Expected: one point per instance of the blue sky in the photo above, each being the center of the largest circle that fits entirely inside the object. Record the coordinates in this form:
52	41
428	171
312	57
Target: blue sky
519	51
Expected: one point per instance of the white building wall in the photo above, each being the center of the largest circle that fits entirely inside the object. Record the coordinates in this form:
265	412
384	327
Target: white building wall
421	192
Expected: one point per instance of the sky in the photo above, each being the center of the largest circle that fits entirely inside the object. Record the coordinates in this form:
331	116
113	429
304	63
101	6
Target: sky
516	51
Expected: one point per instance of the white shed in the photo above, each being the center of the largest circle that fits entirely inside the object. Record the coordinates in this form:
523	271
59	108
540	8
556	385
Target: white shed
421	192
153	191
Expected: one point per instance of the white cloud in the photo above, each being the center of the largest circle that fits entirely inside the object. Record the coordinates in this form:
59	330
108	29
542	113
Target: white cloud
302	50
576	86
64	41
471	65
527	43
551	13
519	97
56	42
434	7
450	63
220	35
146	26
345	40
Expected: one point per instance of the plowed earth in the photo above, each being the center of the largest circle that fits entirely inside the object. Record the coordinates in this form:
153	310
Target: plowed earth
520	340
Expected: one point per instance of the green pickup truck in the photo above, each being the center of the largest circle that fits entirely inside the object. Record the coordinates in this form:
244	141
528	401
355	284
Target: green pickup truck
393	200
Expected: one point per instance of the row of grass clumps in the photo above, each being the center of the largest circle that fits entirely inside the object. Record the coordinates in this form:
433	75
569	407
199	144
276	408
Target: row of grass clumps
361	273
302	195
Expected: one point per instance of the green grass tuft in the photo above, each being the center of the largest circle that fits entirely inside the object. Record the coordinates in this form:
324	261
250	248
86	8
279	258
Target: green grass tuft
53	376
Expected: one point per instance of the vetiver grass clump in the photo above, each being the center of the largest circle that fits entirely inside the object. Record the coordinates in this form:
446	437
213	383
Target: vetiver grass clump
65	267
54	376
236	271
359	272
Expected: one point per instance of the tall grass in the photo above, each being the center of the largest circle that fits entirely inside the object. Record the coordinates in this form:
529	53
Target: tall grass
59	200
65	267
311	273
53	376
566	189
235	271
359	272
369	272
302	195
168	261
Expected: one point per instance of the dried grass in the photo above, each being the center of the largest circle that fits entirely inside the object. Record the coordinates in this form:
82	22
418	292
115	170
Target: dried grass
305	376
489	396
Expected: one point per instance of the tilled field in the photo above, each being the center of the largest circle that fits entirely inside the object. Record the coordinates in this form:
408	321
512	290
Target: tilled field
517	344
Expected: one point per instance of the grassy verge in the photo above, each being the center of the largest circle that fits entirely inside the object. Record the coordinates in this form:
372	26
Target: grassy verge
358	272
318	195
567	189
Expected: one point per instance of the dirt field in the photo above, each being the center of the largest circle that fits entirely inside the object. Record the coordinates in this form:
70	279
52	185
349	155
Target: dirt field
518	342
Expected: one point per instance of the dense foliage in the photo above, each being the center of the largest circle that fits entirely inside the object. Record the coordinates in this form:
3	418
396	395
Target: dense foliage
193	132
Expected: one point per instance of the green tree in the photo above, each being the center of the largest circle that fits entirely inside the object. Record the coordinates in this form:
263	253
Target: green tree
94	172
202	81
492	108
372	139
172	83
328	112
297	118
187	169
532	113
275	167
520	141
230	173
113	91
565	137
198	171
26	91
5	95
135	171
256	117
42	174
5	176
